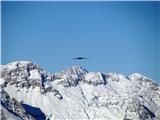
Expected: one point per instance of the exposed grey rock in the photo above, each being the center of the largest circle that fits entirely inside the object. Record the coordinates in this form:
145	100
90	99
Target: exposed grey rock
88	95
78	70
137	111
95	78
113	76
14	107
21	74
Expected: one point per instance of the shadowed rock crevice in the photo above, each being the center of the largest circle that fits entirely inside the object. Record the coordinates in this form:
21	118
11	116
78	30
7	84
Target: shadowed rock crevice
35	112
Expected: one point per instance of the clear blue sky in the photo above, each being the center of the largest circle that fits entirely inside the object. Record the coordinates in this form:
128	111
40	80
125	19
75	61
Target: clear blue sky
119	37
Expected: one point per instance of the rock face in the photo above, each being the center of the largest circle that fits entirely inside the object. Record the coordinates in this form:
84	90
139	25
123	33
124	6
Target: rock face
76	94
12	109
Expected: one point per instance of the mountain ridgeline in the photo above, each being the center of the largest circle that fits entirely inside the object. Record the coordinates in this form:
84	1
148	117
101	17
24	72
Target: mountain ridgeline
31	93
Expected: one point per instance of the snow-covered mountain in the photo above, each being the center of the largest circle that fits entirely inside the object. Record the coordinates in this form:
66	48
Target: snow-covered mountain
29	92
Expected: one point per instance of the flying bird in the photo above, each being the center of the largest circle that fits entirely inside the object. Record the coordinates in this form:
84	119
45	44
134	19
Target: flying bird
80	58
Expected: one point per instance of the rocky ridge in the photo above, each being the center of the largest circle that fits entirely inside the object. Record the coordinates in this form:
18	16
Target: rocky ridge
87	95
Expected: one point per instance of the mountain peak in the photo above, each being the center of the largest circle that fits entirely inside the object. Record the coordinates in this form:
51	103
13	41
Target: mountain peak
20	64
76	69
117	96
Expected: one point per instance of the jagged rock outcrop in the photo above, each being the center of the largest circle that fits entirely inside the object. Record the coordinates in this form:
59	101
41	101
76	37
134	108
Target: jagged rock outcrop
11	107
25	74
77	94
71	76
95	78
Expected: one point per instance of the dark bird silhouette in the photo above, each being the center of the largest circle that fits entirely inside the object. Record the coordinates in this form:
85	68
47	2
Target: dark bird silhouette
80	58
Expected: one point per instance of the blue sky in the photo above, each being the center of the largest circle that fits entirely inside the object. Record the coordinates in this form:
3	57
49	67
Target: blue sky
119	37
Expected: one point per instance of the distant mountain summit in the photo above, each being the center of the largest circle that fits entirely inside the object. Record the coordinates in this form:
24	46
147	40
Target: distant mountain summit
75	70
31	93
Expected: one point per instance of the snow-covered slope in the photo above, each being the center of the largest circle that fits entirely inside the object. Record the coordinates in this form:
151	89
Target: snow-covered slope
77	94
